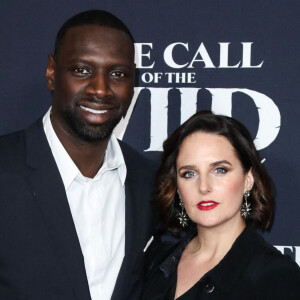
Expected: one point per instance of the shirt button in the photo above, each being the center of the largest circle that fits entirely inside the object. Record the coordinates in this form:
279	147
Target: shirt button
209	288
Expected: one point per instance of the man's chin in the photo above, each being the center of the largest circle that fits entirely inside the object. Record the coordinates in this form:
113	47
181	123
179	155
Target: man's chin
90	132
96	133
92	136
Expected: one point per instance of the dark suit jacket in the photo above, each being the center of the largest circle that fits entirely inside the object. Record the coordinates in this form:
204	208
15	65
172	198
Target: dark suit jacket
251	270
40	255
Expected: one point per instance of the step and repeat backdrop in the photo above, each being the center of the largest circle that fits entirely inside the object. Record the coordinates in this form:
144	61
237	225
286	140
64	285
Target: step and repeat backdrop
238	58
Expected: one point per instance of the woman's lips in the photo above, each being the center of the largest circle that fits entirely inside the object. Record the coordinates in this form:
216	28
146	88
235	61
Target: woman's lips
207	205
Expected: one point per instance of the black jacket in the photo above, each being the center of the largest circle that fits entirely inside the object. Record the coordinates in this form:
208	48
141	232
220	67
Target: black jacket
252	269
40	254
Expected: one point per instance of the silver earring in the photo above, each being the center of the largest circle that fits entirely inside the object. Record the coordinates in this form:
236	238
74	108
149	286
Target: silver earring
246	207
182	216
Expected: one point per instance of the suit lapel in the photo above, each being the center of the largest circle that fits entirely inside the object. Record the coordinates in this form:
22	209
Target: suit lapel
137	211
126	274
50	197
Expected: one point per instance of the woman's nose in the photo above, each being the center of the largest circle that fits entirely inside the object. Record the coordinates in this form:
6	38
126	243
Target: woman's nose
204	185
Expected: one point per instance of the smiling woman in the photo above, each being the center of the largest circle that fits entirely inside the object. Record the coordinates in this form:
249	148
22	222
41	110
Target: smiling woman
211	179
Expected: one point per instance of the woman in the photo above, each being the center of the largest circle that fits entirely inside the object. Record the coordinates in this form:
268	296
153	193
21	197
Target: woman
211	179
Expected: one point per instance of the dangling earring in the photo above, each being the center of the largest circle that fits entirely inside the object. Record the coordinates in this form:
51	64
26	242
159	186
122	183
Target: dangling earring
246	207
182	216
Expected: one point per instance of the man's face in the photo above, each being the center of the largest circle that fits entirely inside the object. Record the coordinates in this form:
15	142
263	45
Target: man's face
91	80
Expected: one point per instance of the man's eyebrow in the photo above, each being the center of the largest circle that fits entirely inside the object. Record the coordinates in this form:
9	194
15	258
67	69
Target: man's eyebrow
78	60
115	64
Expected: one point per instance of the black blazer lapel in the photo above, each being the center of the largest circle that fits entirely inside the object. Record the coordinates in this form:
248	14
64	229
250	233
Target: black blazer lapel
138	224
50	197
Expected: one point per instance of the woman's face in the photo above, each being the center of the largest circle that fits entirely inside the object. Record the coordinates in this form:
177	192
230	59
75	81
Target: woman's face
211	180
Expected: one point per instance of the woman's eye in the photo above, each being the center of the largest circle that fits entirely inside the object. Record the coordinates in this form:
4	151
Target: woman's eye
188	174
221	170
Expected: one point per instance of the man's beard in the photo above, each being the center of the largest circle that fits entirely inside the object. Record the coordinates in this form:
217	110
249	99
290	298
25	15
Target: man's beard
88	132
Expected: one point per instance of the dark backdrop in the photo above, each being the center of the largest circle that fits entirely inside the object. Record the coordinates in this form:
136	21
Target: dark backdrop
239	58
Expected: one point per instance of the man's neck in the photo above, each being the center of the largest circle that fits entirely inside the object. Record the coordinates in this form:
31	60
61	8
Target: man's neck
88	156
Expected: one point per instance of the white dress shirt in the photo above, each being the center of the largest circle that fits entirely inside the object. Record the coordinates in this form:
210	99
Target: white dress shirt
98	210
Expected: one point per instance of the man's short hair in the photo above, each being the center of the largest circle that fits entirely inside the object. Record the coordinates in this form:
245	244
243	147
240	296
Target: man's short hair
90	17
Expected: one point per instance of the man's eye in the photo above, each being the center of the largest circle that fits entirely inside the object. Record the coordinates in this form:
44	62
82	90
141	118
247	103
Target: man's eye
81	71
118	74
220	170
188	174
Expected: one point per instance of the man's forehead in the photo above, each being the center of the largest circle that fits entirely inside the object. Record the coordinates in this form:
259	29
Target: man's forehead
96	43
96	32
84	35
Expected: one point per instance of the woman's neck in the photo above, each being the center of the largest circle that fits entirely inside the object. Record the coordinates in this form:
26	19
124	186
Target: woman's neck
213	243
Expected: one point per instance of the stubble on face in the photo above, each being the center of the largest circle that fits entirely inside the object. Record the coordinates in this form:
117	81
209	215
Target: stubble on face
89	132
94	70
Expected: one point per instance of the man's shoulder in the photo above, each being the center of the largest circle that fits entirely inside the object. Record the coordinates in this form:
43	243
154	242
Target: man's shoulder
11	138
134	158
13	145
12	152
18	136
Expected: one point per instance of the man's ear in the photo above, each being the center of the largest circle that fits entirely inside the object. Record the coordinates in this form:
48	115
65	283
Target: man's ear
50	72
249	180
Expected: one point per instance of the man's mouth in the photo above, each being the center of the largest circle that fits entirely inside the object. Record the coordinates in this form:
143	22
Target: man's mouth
93	111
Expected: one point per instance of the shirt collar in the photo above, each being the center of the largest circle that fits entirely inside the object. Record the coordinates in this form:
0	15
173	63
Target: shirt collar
114	158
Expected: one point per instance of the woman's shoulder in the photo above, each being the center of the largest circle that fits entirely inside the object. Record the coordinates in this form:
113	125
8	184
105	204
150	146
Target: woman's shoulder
272	272
270	257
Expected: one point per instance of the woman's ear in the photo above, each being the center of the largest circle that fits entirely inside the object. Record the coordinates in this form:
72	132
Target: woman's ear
249	180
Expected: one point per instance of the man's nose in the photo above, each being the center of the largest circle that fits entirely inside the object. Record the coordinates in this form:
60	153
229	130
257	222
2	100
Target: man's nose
99	86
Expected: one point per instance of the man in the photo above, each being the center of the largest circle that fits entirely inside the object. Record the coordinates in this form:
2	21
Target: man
75	212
